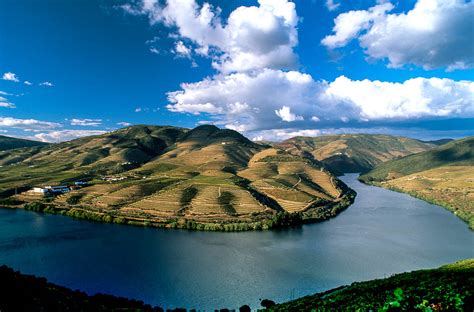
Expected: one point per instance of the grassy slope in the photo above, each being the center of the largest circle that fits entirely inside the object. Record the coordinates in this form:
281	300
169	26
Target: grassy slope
354	152
449	288
8	143
455	153
443	176
175	178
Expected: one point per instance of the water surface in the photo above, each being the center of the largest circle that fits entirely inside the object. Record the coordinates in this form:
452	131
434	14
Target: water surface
384	232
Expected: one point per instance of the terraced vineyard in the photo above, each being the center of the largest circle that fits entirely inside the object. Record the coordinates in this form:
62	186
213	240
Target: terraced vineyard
205	179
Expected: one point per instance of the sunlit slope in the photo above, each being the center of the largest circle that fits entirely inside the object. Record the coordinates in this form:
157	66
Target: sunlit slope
292	181
84	158
174	177
444	175
354	152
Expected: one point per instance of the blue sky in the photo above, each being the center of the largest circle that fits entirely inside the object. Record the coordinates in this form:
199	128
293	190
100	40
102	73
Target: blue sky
263	68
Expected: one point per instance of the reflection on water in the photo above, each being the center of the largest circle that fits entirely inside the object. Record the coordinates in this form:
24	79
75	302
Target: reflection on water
382	233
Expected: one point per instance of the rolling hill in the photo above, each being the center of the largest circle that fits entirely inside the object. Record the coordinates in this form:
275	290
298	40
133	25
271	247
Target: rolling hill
347	153
8	143
205	178
443	175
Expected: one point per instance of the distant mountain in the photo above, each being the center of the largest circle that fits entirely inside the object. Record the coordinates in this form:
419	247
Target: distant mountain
205	178
354	152
443	175
8	143
439	142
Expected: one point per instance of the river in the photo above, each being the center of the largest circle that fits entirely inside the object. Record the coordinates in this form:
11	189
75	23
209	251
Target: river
382	233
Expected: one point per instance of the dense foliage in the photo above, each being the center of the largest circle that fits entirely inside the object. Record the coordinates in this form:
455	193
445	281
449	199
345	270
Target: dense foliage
449	288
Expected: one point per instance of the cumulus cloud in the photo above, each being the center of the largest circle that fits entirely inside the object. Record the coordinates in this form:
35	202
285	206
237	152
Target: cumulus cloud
124	124
434	34
10	77
275	99
28	83
27	123
286	115
46	84
182	50
65	135
252	37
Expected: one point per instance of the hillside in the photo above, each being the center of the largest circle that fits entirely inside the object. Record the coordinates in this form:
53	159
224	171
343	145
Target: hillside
448	288
348	153
8	143
205	178
443	175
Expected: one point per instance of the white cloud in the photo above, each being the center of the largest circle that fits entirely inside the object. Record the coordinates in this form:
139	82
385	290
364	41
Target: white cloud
286	115
86	122
4	93
27	123
10	77
138	109
271	99
124	124
65	135
332	5
434	34
182	50
6	103
414	98
28	83
251	38
46	84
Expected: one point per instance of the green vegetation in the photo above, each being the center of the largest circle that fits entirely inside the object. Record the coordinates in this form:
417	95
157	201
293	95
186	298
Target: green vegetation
441	176
449	288
353	152
455	153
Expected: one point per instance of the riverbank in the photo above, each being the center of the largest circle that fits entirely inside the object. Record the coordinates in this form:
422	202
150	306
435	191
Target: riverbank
275	220
460	208
446	288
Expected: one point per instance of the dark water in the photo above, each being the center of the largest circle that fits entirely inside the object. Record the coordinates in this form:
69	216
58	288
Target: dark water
382	233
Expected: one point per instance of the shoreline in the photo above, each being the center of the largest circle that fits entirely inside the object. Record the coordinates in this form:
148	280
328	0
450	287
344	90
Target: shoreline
279	220
462	216
446	286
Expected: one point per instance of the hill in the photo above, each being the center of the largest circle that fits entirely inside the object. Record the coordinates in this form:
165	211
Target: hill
439	142
448	288
205	178
8	143
348	153
443	175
